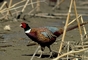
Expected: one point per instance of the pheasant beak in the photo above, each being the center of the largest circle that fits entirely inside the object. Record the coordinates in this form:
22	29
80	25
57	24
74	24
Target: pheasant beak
20	25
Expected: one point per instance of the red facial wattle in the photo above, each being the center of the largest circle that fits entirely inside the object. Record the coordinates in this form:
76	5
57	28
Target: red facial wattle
23	25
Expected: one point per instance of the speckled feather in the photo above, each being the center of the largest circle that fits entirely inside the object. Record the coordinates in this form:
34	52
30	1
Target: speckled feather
41	35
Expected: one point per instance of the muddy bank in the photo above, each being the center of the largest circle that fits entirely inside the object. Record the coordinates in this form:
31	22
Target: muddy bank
13	43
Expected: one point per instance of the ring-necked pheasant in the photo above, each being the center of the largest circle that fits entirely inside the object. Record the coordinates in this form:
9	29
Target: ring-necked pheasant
45	36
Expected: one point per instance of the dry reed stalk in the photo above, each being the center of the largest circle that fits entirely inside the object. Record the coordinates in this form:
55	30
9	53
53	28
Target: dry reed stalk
81	21
3	5
38	6
32	4
81	46
66	24
84	27
71	52
61	14
65	14
23	9
57	4
8	11
35	52
74	20
17	3
25	6
5	9
13	6
74	3
10	3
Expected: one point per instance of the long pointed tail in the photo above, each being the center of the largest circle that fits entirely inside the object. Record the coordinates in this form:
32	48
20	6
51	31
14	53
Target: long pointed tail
76	26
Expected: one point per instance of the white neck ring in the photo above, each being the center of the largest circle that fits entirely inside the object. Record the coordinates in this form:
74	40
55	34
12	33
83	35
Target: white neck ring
28	31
